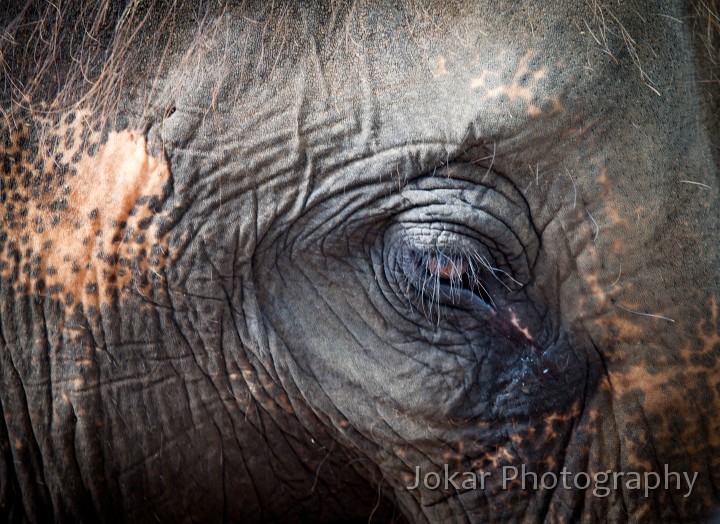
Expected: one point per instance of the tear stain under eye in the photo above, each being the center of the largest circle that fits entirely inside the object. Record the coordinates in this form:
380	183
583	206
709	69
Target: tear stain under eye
515	321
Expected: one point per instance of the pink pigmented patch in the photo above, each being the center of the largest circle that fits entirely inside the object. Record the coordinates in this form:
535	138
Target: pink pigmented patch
83	222
515	322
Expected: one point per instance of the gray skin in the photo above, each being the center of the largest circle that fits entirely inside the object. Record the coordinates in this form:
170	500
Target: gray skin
260	263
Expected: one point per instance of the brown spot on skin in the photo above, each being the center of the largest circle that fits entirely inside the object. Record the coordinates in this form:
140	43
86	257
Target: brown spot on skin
499	458
557	105
608	195
522	87
103	195
685	380
614	217
603	179
534	111
614	323
106	189
618	246
481	81
620	328
592	280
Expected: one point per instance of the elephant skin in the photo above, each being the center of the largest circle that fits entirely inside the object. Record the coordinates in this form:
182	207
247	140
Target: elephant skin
346	261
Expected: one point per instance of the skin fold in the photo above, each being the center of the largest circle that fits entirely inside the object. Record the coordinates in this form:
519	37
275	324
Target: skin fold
269	262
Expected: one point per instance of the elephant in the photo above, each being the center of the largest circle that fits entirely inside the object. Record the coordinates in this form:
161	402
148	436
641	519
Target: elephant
360	261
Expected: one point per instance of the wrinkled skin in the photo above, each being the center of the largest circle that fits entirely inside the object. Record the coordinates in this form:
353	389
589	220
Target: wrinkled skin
226	290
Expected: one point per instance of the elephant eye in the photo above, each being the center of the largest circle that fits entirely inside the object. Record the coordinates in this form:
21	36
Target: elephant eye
447	269
456	279
457	273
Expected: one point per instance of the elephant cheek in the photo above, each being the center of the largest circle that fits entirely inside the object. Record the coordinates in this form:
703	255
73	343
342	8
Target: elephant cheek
661	382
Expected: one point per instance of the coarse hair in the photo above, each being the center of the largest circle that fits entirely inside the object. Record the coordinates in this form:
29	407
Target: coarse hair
55	57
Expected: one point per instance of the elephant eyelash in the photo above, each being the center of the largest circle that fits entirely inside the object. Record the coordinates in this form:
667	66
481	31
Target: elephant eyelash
440	277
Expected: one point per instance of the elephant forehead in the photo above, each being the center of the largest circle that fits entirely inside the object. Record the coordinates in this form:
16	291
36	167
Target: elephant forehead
353	84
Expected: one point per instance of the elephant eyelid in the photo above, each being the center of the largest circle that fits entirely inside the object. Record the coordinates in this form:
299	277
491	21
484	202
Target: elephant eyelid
438	275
